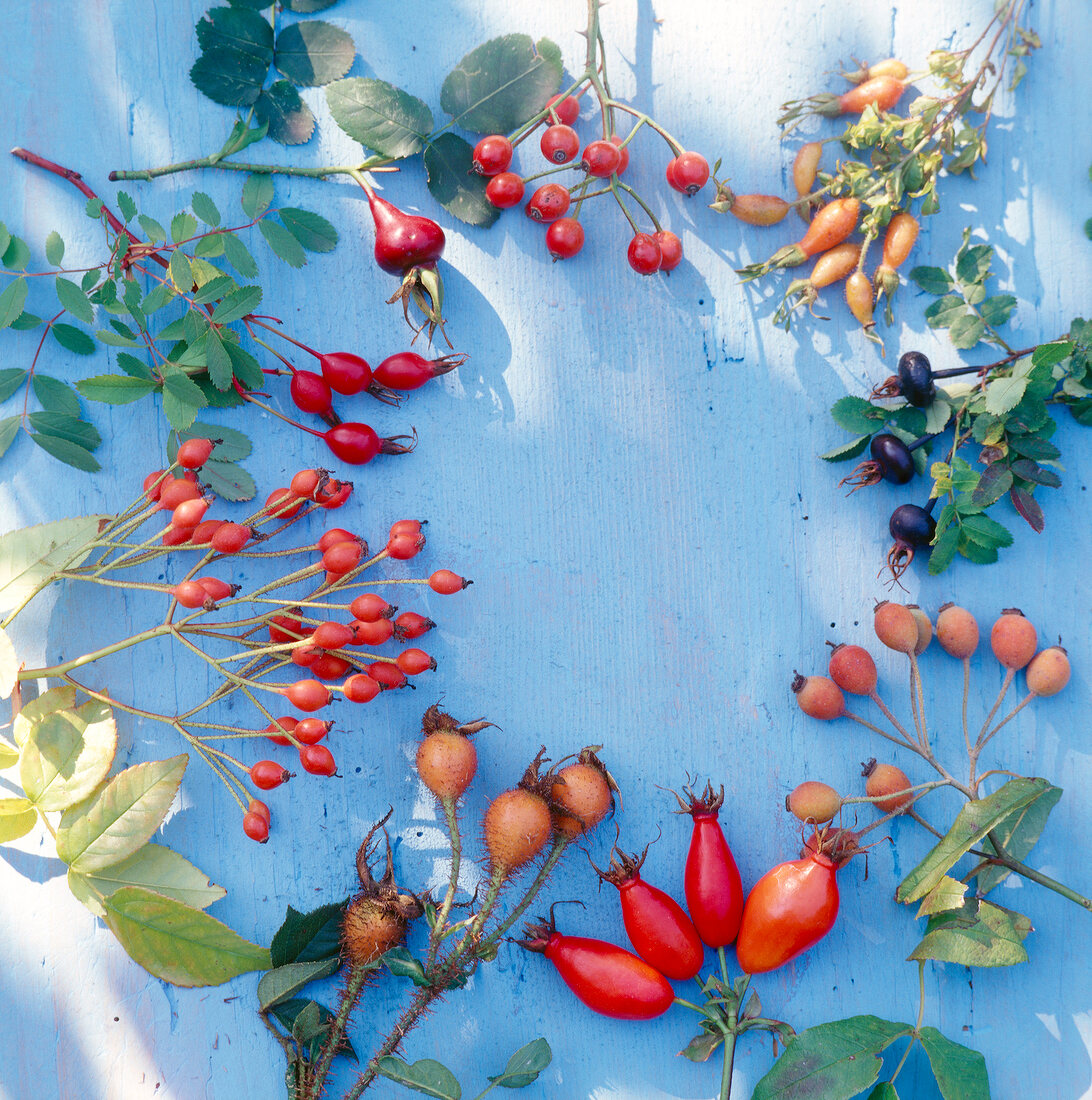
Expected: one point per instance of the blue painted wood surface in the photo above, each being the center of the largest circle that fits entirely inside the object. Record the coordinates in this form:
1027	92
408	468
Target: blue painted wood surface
627	469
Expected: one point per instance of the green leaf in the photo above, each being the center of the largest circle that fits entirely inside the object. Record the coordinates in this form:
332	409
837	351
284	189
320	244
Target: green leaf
1032	446
9	429
1027	470
229	77
12	300
134	367
313	52
178	943
16	255
236	29
247	369
944	550
425	1075
55	395
9	756
973	263
30	555
884	1091
152	229
306	937
257	196
115	389
284	245
1047	355
305	7
67	754
944	311
181	272
312	231
182	397
1028	507
453	182
1018	834
54	249
287	119
997	310
1003	394
17	818
33	710
153	867
26	321
237	305
238	255
975	552
702	1047
300	1016
946	895
286	981
857	415
501	84
960	1071
402	964
848	450
380	116
183	227
112	824
933	280
977	934
215	289
205	208
986	532
525	1065
218	361
937	416
995	482
965	331
11	380
72	338
64	450
5	239
833	1061
228	480
64	426
974	821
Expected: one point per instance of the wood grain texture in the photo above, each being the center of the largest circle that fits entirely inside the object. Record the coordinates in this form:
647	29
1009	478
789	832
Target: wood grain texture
627	469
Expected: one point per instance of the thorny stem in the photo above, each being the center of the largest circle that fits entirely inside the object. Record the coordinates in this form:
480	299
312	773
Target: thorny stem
354	984
455	837
557	850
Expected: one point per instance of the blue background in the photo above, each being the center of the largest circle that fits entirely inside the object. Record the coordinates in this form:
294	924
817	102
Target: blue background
627	469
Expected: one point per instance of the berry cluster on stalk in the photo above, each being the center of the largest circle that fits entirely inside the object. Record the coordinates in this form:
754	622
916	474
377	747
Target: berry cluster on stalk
326	615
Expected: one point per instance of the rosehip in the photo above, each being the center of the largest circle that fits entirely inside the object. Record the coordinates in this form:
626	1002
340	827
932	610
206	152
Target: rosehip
1013	639
370	606
818	697
446	583
268	774
1048	671
317	759
194	453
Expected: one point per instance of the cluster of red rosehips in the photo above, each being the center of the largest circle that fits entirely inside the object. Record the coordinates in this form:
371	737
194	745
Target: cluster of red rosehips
329	649
603	159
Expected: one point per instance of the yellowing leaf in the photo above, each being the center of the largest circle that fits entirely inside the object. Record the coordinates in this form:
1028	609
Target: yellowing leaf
67	755
9	666
17	818
34	710
28	556
154	867
113	823
178	943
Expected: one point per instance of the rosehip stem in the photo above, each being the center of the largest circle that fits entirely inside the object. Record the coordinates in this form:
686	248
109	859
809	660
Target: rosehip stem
283	335
280	416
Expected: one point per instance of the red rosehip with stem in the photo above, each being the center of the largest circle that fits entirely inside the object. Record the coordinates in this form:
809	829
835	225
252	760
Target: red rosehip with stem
406	370
644	254
492	155
548	203
559	144
566	109
601	159
564	238
505	191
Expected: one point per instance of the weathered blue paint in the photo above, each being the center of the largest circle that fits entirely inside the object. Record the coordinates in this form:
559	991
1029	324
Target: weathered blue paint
627	469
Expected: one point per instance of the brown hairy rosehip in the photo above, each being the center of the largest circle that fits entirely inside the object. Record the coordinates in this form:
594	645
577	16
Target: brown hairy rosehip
582	794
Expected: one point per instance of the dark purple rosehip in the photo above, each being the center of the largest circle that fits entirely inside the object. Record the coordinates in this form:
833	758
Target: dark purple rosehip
915	376
912	528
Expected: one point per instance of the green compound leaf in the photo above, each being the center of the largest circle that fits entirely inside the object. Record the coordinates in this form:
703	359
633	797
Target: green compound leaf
238	30
857	415
182	397
288	120
112	824
933	280
256	198
306	7
426	1075
11	380
454	184
232	445
178	943
978	933
67	754
1018	834
960	1071
973	822
501	84
237	305
283	982
312	230
55	395
848	450
153	867
307	937
313	52
380	116
228	480
833	1061
205	208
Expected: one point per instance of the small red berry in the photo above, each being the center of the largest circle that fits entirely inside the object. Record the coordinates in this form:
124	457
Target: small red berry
280	624
311	731
189	513
372	633
288	725
216	588
153	484
333	494
414	661
623	153
306	654
283	504
194	453
175	491
307	695
230	538
644	254
447	583
559	144
268	774
304	483
548	203
405	527
203	532
332	635
317	759
176	536
601	158
387	674
670	249
256	827
327	666
505	191
345	373
566	108
492	155
410	625
190	594
691	172
370	606
342	556
404	547
257	806
360	688
564	238
310	392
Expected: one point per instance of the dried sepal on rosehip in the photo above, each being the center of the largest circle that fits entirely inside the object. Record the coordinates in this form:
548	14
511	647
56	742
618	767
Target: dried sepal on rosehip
582	793
378	917
446	759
